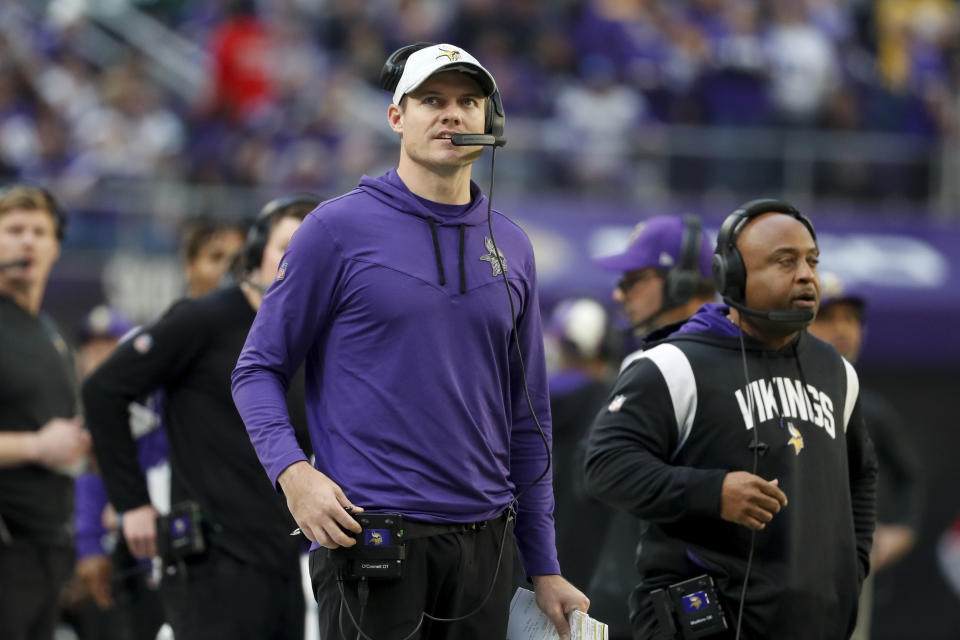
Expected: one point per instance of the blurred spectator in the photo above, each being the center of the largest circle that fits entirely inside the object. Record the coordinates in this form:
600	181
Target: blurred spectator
242	72
803	65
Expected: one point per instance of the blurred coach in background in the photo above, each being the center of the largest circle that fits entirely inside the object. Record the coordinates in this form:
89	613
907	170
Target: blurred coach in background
41	437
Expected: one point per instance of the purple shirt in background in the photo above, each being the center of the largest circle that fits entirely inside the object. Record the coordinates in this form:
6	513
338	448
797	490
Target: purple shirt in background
414	397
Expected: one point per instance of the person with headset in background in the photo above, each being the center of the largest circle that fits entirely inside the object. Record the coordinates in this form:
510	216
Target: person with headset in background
666	273
666	277
41	434
841	322
230	569
124	588
416	309
738	439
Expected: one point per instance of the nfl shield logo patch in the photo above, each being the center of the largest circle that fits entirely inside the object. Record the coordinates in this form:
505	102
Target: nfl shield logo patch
282	271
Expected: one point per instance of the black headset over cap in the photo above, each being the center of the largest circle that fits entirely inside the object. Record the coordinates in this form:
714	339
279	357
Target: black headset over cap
681	282
392	72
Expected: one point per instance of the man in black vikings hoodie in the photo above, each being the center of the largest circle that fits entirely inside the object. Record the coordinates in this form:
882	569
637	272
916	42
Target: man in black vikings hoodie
737	434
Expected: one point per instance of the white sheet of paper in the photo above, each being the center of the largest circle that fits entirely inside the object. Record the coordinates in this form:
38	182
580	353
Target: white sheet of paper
527	622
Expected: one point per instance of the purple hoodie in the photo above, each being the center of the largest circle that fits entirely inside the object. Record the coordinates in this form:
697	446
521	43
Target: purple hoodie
413	390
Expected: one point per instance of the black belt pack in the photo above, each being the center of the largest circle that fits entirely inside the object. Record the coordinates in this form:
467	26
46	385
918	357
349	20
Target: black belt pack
180	532
688	610
380	549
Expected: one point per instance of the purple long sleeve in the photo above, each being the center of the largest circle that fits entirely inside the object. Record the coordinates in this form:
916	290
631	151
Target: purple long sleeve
90	499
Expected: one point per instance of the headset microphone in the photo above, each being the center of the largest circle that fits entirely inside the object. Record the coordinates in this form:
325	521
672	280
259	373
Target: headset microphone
13	264
789	317
477	139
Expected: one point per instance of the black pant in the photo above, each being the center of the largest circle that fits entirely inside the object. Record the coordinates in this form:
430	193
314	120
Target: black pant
31	577
217	596
446	576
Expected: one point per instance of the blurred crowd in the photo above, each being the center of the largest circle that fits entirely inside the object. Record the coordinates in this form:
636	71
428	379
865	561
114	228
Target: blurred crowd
290	98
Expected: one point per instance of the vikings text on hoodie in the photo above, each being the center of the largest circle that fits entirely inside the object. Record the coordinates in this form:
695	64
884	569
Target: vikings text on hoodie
414	395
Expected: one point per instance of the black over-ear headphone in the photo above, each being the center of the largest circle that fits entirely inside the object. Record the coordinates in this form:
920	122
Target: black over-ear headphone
259	232
682	282
392	71
52	204
729	272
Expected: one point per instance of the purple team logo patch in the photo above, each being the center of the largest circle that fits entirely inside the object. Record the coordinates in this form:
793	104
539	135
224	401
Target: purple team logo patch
695	601
376	537
282	271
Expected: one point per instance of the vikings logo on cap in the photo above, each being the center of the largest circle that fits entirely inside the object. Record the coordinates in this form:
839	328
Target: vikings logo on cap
450	54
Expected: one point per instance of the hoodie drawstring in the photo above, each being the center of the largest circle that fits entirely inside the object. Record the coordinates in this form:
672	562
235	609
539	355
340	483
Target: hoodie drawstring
436	251
463	273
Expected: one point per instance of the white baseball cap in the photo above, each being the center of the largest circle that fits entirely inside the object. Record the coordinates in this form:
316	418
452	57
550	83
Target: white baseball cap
441	57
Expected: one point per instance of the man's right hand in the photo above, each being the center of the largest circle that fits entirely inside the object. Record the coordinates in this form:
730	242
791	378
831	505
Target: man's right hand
140	531
61	442
319	506
750	500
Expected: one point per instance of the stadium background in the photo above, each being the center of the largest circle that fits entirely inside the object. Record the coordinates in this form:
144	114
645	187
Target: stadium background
142	114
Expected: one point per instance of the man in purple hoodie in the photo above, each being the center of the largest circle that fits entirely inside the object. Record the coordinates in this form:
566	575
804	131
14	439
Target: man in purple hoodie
417	405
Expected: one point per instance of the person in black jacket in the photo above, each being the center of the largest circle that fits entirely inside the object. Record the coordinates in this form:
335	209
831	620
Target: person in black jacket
738	438
245	582
41	435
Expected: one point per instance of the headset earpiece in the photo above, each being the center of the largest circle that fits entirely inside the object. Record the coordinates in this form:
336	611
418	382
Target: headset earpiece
259	233
682	282
393	68
496	118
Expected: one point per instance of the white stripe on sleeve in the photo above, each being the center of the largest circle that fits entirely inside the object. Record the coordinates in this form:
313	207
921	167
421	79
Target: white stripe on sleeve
677	372
853	389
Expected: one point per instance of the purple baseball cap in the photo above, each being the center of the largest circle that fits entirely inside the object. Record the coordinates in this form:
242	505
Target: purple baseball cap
657	242
103	322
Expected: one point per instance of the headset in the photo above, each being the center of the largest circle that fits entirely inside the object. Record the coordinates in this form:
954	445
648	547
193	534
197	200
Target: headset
729	271
681	283
494	119
259	232
51	202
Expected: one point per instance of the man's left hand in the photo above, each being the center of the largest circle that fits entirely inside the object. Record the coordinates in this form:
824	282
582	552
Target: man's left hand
557	598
